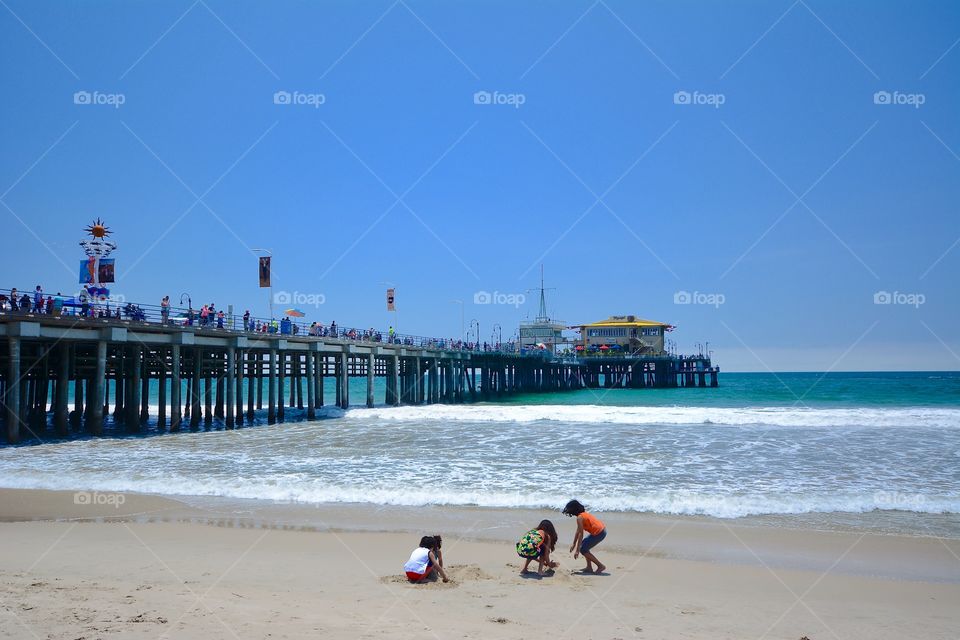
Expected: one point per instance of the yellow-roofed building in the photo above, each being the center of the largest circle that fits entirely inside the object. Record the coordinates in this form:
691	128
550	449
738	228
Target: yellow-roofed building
624	334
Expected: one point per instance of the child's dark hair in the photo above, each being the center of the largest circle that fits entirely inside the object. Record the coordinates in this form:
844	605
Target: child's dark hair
437	541
547	527
573	508
427	542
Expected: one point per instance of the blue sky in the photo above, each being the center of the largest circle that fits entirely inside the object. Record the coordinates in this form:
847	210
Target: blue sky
733	151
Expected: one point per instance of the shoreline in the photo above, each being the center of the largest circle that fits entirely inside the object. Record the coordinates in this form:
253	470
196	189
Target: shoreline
742	541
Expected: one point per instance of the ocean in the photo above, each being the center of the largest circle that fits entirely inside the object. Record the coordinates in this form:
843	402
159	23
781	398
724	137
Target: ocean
840	449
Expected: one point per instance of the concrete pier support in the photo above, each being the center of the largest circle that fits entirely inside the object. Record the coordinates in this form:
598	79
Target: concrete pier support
144	387
320	364
62	389
231	388
253	378
136	370
175	387
311	386
344	381
238	384
281	383
162	390
13	391
99	392
272	388
258	367
419	382
393	375
371	372
195	389
448	390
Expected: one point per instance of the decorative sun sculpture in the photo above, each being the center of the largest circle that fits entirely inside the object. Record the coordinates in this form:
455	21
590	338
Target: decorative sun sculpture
98	246
98	229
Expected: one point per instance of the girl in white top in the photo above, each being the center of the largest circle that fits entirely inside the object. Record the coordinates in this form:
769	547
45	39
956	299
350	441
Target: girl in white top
423	561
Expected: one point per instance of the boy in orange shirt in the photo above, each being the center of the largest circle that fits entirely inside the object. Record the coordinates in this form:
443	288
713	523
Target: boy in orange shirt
596	530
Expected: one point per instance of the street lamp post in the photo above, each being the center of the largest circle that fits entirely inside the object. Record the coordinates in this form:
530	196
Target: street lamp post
476	322
270	252
497	333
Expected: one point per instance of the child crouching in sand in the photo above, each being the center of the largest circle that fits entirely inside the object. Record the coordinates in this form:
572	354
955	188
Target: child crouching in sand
537	544
423	561
596	530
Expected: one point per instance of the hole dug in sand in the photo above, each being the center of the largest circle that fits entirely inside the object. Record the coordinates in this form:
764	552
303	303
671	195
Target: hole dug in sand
457	573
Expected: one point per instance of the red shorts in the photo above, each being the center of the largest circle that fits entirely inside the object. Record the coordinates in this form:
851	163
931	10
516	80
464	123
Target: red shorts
417	577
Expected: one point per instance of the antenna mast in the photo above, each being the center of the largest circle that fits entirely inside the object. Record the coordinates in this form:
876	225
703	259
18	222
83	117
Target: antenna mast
542	316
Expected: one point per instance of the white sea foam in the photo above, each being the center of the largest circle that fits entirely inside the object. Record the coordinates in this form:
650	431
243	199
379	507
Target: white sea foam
665	502
723	462
607	414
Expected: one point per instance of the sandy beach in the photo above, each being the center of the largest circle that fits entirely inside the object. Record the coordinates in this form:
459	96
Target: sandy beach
157	567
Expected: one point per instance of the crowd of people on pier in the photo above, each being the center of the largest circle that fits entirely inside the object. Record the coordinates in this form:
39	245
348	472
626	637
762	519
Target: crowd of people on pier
88	304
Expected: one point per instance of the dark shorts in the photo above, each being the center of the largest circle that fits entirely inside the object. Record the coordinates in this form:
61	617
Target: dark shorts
591	541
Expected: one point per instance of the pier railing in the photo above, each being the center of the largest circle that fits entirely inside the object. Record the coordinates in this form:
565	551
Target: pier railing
120	309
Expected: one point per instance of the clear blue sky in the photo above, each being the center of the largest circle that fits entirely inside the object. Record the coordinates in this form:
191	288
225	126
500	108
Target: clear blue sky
693	197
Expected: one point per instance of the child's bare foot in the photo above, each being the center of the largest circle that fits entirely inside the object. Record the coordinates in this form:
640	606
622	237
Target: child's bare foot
601	568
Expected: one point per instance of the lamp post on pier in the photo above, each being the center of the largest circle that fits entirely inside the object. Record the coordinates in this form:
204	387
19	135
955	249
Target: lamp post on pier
476	322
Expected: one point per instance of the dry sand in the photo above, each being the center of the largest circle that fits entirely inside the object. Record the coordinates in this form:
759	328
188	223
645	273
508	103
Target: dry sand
157	567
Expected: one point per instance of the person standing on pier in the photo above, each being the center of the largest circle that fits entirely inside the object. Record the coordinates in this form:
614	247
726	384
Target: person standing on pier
165	310
38	300
246	320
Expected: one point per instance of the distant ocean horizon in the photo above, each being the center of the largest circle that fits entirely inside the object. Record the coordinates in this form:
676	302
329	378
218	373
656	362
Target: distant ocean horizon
761	444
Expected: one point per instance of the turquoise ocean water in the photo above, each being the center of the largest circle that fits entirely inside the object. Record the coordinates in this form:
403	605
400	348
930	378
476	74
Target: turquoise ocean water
835	448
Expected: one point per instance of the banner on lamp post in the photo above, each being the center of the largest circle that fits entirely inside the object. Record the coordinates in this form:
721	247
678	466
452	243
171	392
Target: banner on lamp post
264	271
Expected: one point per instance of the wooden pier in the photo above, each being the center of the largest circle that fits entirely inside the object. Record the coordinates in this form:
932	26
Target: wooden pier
70	374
